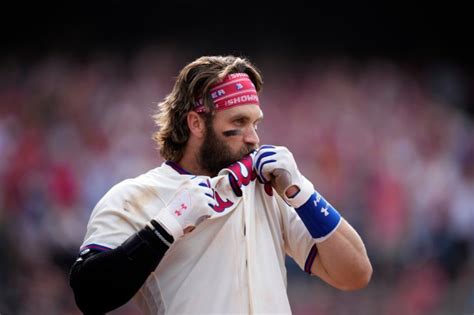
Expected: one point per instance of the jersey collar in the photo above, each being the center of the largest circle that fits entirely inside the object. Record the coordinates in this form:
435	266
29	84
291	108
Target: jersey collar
177	168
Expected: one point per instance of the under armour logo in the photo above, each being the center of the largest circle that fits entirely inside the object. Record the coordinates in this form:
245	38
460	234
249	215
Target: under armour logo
325	211
179	211
318	199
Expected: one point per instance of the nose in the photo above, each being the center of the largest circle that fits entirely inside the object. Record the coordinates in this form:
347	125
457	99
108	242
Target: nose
251	136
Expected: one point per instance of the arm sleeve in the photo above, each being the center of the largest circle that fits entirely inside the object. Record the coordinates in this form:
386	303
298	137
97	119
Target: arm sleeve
103	281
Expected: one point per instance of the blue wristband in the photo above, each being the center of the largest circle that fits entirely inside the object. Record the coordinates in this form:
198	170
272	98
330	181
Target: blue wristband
319	217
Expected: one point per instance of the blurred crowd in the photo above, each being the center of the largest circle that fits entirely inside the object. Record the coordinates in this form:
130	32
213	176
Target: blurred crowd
385	143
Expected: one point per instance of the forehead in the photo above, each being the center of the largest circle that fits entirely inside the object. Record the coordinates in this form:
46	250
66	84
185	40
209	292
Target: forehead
252	112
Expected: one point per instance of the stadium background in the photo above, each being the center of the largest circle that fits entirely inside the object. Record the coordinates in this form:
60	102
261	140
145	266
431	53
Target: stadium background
376	104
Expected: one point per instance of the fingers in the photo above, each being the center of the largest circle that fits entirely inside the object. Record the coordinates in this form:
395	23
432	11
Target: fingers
263	158
208	194
211	202
266	169
266	146
206	191
205	183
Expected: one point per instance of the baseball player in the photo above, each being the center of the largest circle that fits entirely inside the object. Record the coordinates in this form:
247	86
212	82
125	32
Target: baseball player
207	231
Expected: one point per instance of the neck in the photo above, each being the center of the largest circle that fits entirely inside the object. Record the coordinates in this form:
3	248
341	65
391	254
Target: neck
190	162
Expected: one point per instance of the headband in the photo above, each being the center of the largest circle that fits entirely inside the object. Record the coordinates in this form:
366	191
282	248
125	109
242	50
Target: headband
236	89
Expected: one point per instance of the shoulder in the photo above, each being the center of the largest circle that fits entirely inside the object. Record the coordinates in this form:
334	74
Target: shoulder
126	191
158	183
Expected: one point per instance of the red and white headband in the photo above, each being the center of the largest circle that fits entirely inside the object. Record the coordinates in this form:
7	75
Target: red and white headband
236	89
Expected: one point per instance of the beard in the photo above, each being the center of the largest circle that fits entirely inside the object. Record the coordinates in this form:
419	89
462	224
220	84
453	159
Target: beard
215	154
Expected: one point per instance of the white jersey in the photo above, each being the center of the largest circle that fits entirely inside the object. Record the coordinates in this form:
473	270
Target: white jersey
233	262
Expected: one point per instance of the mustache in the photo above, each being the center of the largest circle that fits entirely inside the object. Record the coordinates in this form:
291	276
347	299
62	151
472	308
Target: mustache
248	149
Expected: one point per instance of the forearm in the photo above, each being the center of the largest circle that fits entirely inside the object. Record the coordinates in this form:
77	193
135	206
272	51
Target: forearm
342	259
104	281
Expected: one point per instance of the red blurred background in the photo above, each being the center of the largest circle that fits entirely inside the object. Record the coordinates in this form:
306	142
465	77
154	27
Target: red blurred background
375	103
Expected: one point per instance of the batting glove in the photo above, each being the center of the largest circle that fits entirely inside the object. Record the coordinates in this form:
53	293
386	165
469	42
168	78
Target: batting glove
192	204
277	165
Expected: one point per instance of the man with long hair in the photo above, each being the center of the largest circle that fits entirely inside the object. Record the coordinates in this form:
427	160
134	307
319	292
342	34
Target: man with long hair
208	230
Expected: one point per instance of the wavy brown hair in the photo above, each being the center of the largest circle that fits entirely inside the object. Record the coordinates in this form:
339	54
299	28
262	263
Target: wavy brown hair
194	81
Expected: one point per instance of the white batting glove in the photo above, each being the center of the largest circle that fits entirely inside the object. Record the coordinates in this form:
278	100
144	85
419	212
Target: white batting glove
192	204
277	165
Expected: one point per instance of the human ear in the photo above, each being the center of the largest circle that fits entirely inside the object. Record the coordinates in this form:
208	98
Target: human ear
196	124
